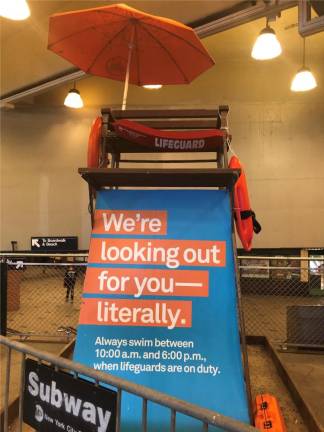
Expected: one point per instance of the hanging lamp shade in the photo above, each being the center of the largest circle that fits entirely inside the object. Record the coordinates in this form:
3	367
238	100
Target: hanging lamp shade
73	99
152	86
267	46
14	9
304	80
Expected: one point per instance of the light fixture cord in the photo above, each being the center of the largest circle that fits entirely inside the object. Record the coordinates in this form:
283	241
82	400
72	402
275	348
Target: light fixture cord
267	22
304	45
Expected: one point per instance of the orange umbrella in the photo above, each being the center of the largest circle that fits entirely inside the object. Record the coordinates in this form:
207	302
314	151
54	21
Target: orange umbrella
125	44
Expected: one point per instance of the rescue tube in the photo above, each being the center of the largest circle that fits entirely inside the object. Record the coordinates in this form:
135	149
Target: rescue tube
94	143
245	220
268	416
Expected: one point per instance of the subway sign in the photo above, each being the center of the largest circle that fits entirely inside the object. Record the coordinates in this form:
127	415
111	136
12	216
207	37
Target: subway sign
56	401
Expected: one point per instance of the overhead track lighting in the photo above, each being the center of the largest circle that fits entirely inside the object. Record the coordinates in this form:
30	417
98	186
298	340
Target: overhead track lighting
73	99
14	9
266	46
304	80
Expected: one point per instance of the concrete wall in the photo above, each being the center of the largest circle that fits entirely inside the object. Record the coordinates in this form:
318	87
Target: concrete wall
278	135
281	145
41	191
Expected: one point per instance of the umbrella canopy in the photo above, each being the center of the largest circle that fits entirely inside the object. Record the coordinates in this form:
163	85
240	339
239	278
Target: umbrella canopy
125	44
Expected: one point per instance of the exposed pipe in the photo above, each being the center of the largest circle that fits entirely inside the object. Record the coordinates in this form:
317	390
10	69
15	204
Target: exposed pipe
41	86
243	17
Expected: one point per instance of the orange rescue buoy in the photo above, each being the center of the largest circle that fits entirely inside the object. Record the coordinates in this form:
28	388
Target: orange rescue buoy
94	143
245	220
268	416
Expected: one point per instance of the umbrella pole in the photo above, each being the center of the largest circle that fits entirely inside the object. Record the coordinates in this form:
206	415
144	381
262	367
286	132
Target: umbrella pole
131	46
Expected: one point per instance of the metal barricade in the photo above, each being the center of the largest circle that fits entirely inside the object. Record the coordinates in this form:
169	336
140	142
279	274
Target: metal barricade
205	416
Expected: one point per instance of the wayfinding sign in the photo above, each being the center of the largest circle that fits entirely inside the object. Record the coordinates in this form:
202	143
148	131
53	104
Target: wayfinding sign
54	244
159	301
56	401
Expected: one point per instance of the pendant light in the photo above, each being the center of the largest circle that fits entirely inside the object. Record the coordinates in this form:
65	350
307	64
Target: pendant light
14	9
266	46
152	86
304	80
73	99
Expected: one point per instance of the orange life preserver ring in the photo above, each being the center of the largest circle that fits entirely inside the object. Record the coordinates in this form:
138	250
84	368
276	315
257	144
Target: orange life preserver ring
245	220
94	143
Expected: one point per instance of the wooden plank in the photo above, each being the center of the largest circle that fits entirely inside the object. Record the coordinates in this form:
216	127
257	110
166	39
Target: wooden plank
184	124
167	161
304	274
102	177
292	369
171	113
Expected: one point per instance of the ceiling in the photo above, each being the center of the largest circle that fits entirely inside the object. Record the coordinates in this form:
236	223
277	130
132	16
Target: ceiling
41	10
20	37
235	72
25	59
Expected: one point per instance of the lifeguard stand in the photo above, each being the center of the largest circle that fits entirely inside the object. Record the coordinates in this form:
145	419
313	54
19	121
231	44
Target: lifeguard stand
151	127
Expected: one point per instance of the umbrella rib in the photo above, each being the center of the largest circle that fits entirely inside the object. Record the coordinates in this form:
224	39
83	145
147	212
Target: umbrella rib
168	53
106	45
108	12
79	32
142	20
178	37
137	56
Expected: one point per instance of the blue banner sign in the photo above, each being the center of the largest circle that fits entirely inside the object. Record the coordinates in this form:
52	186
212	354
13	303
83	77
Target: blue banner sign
159	301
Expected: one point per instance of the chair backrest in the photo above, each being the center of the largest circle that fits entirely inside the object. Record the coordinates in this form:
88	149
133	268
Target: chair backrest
168	120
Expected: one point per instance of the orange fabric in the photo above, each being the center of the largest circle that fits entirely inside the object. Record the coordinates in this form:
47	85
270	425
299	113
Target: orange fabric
202	253
244	227
153	282
169	141
97	41
94	143
115	222
268	416
130	312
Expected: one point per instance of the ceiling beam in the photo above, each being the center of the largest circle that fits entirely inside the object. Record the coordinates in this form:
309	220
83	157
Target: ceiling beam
237	7
260	10
306	24
68	75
